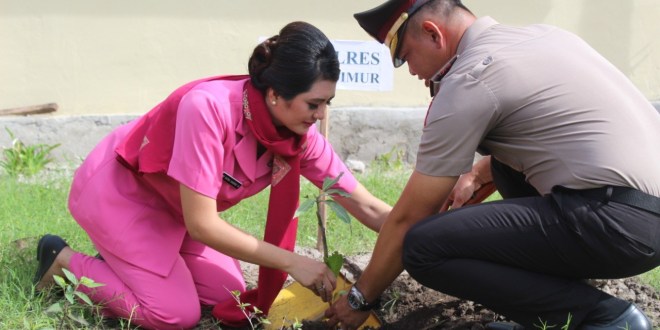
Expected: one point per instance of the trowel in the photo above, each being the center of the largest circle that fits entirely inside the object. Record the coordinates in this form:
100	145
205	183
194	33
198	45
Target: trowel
295	303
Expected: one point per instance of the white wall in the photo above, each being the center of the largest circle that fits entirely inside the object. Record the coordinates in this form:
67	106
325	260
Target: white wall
124	56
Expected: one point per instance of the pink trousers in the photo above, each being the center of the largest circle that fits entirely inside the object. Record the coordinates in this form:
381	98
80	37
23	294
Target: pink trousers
153	273
201	275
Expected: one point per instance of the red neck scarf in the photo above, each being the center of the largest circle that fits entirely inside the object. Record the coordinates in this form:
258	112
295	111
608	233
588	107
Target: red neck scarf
281	226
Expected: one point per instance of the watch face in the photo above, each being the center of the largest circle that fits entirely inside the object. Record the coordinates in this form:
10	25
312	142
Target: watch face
353	300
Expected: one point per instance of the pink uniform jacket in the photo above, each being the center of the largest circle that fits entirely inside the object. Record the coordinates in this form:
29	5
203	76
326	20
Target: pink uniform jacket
126	193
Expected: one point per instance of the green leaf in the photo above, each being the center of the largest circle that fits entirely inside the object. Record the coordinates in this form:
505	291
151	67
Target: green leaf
59	281
55	308
339	211
68	294
88	282
334	262
339	192
329	182
304	207
79	318
84	298
69	276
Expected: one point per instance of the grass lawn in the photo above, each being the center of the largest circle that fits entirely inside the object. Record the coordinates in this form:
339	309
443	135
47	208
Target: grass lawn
29	210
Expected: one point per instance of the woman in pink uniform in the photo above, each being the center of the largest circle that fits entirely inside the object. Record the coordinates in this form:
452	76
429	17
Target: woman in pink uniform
149	194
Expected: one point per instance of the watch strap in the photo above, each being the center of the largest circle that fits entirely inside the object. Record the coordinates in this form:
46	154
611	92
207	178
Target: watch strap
364	305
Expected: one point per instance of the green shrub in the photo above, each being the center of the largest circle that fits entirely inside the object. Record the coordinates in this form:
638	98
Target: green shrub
27	160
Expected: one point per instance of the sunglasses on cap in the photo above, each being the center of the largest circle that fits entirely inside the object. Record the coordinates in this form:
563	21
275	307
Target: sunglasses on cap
394	36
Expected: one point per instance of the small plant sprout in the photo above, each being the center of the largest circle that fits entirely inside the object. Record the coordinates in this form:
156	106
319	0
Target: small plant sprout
544	325
22	159
390	304
66	308
253	314
568	322
392	159
296	325
336	260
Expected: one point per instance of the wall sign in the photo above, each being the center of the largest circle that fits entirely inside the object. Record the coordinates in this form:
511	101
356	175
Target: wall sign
365	65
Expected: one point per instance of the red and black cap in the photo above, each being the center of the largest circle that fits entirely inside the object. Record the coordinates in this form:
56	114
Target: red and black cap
386	23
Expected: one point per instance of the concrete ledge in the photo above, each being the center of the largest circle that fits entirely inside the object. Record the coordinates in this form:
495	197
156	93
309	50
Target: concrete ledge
355	133
77	135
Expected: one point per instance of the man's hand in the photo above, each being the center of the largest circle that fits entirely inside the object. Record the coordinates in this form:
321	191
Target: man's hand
350	318
422	196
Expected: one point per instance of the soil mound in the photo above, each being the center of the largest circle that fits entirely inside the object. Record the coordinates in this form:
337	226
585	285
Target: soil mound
407	305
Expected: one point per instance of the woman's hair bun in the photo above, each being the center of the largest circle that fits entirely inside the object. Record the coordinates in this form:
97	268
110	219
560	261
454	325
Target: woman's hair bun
261	58
293	60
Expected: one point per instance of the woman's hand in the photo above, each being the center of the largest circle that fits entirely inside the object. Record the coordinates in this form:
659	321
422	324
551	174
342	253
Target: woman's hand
462	192
204	225
468	185
314	275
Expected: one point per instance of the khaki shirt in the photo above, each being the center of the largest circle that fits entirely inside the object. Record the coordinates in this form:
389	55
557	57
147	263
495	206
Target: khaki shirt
542	101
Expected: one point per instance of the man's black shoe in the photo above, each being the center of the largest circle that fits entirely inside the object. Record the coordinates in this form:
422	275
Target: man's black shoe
632	318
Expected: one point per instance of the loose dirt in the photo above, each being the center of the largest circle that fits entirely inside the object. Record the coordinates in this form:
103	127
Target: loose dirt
407	305
419	307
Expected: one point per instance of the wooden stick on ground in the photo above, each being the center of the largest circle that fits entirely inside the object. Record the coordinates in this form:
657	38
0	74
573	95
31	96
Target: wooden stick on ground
30	110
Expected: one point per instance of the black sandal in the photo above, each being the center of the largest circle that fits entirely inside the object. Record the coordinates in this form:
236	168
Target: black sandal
47	250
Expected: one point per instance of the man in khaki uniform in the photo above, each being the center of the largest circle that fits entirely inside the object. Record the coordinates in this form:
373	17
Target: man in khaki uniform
571	145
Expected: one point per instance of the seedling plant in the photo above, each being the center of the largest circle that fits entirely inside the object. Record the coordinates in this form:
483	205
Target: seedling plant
70	310
254	315
336	260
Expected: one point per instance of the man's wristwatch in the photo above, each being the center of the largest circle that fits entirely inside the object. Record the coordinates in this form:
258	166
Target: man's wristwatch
357	302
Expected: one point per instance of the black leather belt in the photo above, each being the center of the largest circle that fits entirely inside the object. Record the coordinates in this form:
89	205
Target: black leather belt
623	195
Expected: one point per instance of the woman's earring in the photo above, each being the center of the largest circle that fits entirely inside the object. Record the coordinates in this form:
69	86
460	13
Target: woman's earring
273	102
